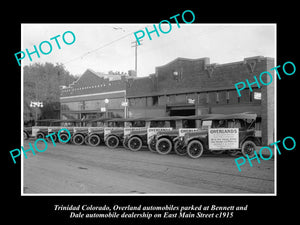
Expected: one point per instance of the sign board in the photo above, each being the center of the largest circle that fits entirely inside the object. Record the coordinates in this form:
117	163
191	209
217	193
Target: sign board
206	124
53	129
152	131
183	131
96	129
128	130
35	129
124	104
257	95
108	130
103	109
223	138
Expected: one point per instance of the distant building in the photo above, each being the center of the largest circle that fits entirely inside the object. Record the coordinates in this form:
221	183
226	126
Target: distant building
86	97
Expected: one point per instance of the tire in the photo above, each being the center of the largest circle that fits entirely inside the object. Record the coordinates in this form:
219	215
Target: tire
86	139
178	150
248	148
164	146
195	149
49	139
63	136
94	140
78	139
135	144
112	142
152	146
40	135
25	135
125	144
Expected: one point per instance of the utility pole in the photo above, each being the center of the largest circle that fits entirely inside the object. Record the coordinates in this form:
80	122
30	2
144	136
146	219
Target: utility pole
135	46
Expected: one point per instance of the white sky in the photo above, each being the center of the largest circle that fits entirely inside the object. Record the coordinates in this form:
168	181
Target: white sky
98	47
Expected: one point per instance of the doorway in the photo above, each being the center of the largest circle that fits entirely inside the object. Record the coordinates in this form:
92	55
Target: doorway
181	112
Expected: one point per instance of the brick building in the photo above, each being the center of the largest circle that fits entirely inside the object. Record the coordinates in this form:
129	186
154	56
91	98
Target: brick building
196	87
181	87
94	95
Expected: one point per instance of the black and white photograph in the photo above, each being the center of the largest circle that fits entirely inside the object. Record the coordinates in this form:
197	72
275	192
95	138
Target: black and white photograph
170	115
145	109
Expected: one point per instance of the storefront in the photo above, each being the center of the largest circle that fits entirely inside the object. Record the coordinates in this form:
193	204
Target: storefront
94	95
180	88
196	87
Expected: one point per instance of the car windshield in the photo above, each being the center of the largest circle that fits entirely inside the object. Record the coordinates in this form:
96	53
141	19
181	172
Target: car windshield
230	123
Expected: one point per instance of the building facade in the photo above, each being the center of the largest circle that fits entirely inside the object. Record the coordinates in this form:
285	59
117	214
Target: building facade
196	87
94	95
181	87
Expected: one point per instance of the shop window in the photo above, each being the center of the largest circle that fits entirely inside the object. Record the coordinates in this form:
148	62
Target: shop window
227	97
207	98
154	100
217	97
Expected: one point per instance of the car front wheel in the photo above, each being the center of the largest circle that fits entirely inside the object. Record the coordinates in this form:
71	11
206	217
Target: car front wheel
195	149
164	146
248	148
78	139
94	140
135	144
112	142
179	150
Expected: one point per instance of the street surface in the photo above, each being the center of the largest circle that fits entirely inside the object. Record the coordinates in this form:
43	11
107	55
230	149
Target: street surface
71	169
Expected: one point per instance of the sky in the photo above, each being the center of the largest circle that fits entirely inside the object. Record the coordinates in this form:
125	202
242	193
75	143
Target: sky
105	47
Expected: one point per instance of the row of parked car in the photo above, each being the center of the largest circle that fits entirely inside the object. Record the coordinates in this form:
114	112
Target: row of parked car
191	135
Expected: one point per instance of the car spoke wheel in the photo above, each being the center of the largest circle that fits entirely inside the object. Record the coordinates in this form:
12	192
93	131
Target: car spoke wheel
112	142
164	146
135	144
195	149
49	139
25	135
125	144
178	149
151	146
40	135
78	139
94	140
63	138
248	148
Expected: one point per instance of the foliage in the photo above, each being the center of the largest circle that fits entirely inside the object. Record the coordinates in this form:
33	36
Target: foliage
42	83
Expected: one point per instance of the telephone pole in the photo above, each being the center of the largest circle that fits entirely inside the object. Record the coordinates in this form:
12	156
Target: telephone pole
135	46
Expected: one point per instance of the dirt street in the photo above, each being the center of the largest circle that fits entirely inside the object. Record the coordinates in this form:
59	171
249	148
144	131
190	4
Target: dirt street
71	169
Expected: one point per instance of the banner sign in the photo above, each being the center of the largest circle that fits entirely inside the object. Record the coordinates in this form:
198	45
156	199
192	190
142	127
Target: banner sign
128	130
108	130
183	131
152	131
223	138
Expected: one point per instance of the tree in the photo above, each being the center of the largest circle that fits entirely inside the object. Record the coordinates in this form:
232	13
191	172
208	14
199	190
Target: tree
42	83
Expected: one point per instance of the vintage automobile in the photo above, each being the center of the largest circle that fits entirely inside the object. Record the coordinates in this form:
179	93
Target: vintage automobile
68	124
114	132
40	130
81	131
27	133
118	129
167	140
96	131
146	135
233	133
